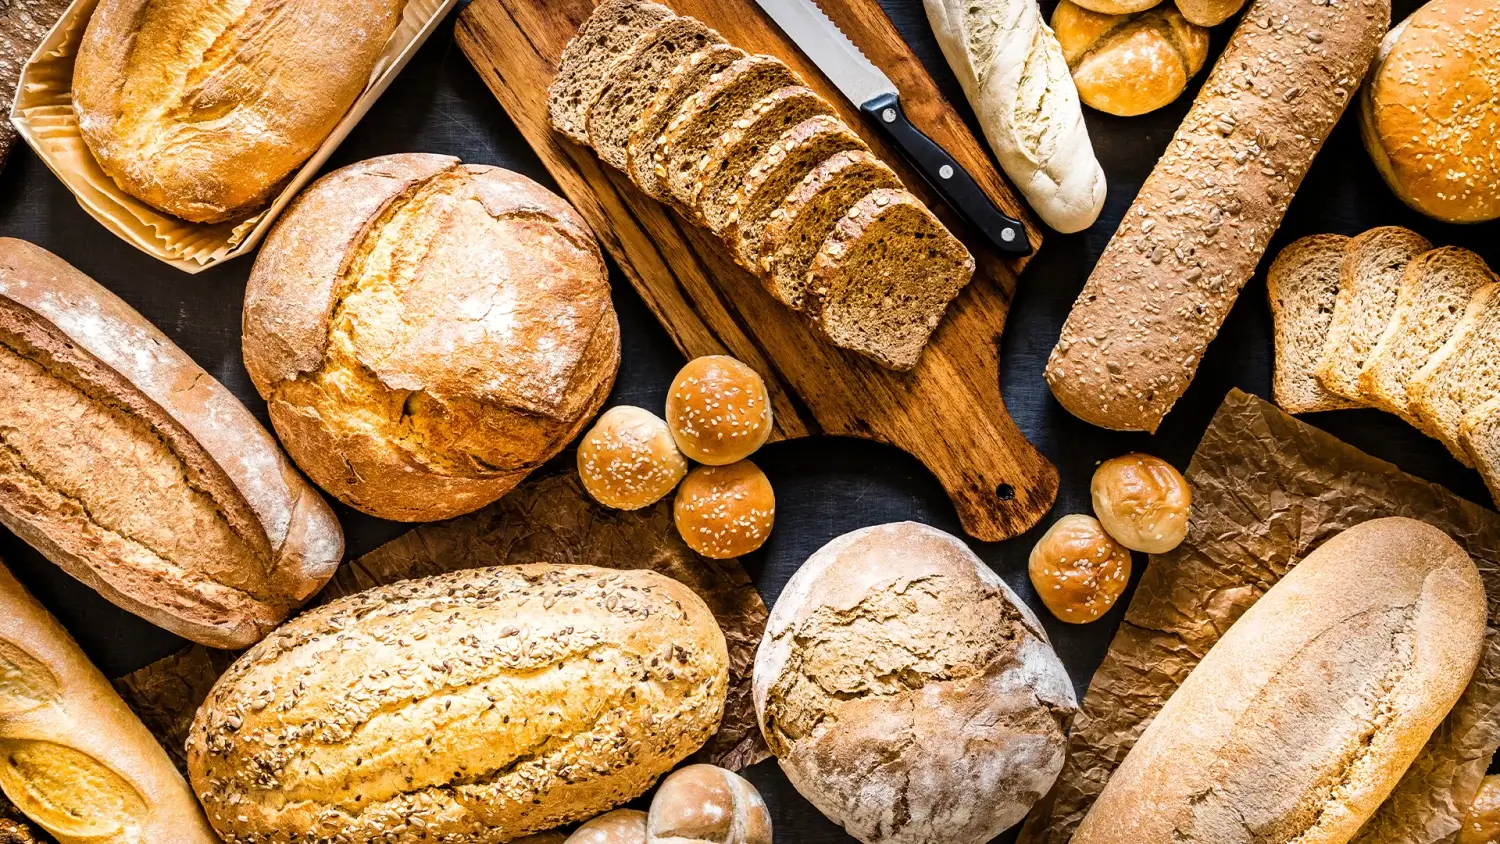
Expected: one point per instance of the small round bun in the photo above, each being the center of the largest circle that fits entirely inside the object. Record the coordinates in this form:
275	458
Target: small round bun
725	511
1482	822
1129	64
705	804
629	460
1078	570
1118	7
622	826
719	410
1143	502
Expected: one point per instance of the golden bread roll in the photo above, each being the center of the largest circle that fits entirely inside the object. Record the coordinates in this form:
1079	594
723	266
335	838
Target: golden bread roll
1482	820
1129	64
427	333
705	804
1428	113
1079	570
719	410
1116	7
203	109
621	826
725	511
1143	502
629	460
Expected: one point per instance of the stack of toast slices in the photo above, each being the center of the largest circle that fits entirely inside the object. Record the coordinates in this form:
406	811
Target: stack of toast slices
739	145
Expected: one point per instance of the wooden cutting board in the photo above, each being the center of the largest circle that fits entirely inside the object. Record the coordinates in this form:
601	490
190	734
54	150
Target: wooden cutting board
948	412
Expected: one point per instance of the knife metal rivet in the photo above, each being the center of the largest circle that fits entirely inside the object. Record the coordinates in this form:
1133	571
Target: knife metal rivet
946	171
1007	235
889	115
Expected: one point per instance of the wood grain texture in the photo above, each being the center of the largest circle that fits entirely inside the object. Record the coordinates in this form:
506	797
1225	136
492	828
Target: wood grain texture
948	412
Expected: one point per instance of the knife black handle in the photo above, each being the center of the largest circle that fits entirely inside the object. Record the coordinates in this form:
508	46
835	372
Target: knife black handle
948	178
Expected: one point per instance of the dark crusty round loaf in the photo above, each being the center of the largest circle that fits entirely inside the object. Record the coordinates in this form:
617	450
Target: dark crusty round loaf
607	35
685	80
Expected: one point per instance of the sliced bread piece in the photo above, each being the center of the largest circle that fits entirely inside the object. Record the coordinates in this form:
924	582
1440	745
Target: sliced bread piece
634	80
608	34
708	114
1480	435
1436	289
768	181
686	79
798	227
1303	283
1368	284
882	280
1463	374
739	148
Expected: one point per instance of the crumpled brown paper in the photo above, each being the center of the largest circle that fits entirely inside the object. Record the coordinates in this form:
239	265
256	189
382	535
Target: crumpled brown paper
550	519
1267	490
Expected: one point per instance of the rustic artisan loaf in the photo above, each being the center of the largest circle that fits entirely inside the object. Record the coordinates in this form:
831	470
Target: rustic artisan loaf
1462	375
608	34
1129	64
23	25
203	110
690	75
1369	283
1300	721
882	280
136	472
428	332
899	680
469	708
1302	284
1480	436
1201	222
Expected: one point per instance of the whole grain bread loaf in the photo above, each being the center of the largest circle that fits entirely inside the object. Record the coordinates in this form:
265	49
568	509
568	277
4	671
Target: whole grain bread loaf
1369	283
608	34
1462	375
471	708
686	79
1302	285
1202	220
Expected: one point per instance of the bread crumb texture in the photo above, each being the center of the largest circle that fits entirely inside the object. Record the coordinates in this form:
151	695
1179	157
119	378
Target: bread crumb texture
472	708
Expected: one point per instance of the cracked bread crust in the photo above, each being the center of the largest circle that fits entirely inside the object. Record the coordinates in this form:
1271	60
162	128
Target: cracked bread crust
427	333
473	707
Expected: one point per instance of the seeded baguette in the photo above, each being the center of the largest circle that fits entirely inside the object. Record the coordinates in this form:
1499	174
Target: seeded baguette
685	80
1369	284
1302	285
607	35
1201	222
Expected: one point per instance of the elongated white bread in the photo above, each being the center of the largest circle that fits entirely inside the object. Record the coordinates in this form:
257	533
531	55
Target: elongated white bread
1013	72
1300	721
76	760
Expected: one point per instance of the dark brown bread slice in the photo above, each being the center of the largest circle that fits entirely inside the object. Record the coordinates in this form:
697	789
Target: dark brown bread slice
686	79
606	36
23	25
634	80
708	114
798	227
884	277
1303	284
768	181
738	149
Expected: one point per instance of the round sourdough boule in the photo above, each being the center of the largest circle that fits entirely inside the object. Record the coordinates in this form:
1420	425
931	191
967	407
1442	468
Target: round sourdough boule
705	804
426	333
1143	502
1078	569
897	670
725	511
621	826
719	410
629	460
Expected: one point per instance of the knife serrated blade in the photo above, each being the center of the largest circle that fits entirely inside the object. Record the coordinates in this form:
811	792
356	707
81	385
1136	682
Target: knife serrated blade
830	49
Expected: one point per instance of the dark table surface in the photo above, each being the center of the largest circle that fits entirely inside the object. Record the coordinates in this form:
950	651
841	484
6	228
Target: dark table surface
824	487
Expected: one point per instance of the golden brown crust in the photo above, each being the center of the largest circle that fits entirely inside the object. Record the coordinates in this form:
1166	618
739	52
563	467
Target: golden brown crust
1078	570
1129	64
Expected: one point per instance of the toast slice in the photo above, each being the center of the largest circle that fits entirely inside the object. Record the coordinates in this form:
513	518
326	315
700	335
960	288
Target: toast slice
1303	283
1463	374
690	75
1369	282
1480	435
609	33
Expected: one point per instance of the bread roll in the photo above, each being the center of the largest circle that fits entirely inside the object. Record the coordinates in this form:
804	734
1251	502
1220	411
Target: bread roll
75	758
1115	7
621	826
725	511
469	708
1078	569
203	109
705	804
1143	502
428	332
1129	64
136	472
719	410
898	670
1482	820
1209	12
629	460
1300	721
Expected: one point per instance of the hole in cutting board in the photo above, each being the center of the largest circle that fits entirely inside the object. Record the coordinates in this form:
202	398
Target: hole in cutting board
1005	492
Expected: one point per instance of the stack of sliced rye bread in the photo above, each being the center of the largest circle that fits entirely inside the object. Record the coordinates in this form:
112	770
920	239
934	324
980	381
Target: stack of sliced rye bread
739	145
1384	320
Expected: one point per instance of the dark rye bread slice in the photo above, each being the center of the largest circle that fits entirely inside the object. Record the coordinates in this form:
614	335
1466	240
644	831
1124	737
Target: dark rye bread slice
739	148
768	181
690	75
606	36
1369	281
708	114
882	280
634	80
798	227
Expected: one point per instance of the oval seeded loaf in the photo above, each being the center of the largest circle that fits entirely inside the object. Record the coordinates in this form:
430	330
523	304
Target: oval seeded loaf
470	708
686	79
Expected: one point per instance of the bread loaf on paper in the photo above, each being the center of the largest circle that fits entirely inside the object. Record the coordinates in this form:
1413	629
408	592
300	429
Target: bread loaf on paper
1201	222
469	708
1299	722
136	472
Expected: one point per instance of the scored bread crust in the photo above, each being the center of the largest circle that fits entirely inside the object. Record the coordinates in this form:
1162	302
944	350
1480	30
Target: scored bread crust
1200	224
1301	286
1366	301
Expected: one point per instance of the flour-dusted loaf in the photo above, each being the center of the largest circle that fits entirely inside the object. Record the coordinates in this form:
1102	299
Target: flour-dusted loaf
1201	222
203	109
468	708
908	692
1298	723
1461	376
136	472
690	75
608	34
1369	284
1302	285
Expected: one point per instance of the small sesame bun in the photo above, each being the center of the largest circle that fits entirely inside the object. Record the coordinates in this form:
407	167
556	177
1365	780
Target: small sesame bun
718	410
725	511
1078	570
628	460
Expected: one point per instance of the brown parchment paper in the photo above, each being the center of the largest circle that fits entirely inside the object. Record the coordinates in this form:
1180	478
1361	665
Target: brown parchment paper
1267	490
547	519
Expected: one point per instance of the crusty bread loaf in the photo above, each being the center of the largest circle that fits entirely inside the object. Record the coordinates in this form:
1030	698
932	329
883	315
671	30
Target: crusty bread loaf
1369	284
76	759
1300	721
1462	375
202	109
1302	284
23	24
427	332
608	34
469	708
686	79
136	472
1480	436
1201	222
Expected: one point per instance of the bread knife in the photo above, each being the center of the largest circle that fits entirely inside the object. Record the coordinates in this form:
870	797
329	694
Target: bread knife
877	97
